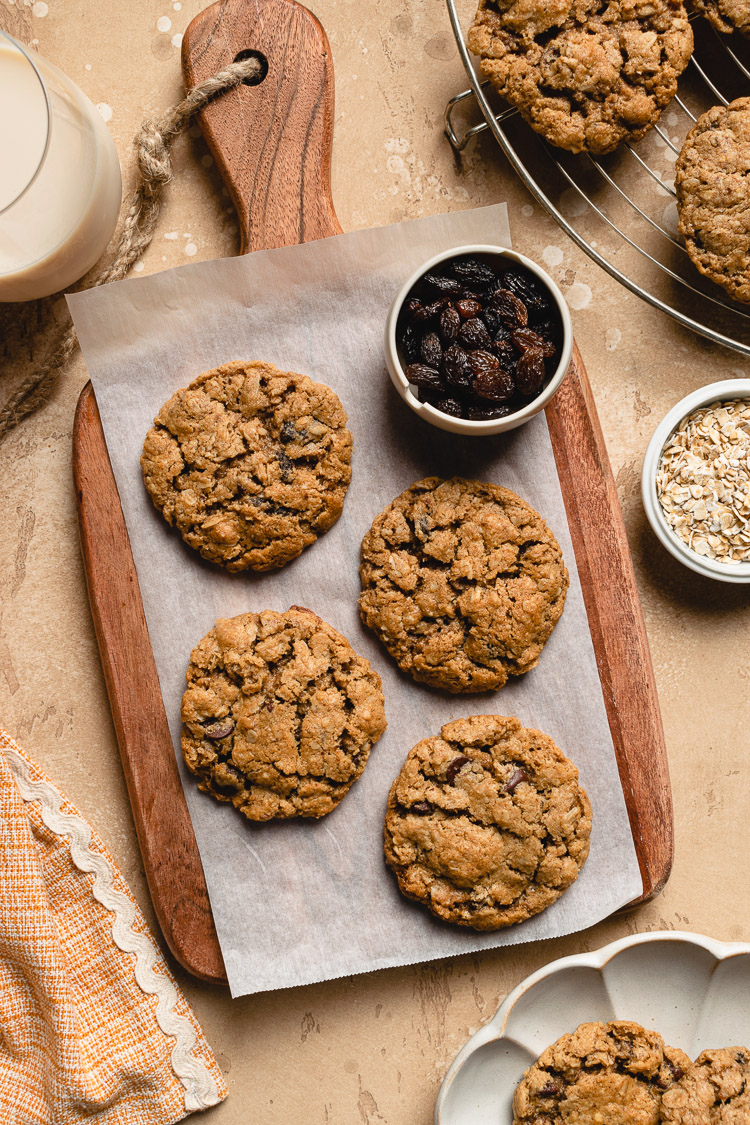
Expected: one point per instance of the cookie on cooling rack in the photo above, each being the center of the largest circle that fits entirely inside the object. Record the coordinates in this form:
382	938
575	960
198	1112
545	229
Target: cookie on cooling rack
487	824
587	76
249	463
614	1073
715	1090
713	196
463	582
279	715
725	15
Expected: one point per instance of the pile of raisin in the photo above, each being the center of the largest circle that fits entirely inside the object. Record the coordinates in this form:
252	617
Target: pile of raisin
476	342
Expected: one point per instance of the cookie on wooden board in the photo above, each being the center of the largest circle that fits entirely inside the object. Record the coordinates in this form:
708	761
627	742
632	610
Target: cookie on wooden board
715	1090
487	824
584	74
463	582
713	196
607	1073
249	463
279	715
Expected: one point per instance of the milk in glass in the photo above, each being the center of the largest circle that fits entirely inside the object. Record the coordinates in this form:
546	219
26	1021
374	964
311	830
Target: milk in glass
60	186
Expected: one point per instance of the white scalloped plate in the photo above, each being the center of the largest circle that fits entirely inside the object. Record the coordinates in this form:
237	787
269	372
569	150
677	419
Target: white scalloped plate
693	990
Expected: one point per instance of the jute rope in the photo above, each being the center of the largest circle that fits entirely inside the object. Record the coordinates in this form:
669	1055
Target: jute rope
152	145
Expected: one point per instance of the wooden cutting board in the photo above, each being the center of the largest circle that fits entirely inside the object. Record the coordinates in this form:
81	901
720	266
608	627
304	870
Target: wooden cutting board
272	144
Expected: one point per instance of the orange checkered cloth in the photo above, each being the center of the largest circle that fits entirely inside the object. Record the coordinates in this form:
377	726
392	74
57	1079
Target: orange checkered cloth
92	1024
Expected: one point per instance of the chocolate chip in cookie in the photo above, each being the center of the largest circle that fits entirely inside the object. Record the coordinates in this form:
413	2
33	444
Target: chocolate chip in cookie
487	823
279	715
249	463
463	582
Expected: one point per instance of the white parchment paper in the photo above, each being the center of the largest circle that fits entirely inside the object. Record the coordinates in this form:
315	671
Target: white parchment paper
296	902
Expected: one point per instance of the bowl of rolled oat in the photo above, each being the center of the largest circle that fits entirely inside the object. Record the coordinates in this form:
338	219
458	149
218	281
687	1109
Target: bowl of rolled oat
696	481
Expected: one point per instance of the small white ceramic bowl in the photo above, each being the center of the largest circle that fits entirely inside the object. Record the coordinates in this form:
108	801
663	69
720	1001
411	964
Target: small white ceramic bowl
715	392
693	990
464	425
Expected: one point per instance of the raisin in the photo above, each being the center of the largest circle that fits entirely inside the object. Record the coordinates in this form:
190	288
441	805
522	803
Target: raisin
409	344
448	405
437	307
482	361
474	334
493	320
503	334
441	283
231	784
216	729
457	764
431	349
456	368
467	308
287	467
498	386
511	310
525	338
423	376
473	271
416	310
420	807
450	322
550	332
530	372
550	1089
506	353
486	412
528	290
515	779
288	432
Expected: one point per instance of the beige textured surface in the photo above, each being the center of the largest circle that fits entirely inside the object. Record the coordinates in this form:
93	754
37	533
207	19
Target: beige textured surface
370	1049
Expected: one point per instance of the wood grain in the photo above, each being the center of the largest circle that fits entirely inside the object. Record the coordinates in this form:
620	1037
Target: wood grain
165	832
616	621
272	143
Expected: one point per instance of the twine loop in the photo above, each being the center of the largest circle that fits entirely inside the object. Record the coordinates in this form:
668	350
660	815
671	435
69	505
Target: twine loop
153	156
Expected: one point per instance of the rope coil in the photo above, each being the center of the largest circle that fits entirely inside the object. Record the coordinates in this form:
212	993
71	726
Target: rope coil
152	143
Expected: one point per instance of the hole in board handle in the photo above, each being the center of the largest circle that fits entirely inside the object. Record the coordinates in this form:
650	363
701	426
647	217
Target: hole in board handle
258	78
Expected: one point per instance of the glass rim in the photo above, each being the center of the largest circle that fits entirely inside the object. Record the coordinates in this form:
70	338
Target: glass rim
45	92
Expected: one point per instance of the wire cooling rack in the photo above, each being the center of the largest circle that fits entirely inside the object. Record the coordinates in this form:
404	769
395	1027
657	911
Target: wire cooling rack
621	208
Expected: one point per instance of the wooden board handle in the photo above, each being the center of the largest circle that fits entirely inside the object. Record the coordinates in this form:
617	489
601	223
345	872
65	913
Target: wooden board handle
271	141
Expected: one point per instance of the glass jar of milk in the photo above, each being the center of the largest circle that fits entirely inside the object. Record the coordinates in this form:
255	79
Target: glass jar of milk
60	186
